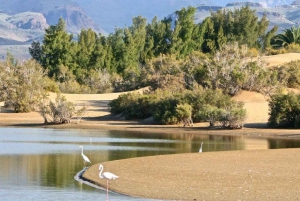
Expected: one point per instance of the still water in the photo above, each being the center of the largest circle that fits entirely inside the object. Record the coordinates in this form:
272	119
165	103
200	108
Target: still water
40	164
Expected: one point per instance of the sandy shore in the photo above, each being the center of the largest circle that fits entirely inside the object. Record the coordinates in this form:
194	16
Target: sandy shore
234	175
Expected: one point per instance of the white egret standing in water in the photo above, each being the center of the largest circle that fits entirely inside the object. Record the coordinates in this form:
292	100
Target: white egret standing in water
200	150
107	176
84	157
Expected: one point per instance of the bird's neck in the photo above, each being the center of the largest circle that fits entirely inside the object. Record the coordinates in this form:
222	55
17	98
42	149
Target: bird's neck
100	174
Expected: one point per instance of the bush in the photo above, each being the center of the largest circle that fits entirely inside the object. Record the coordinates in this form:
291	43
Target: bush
73	87
232	116
22	85
231	69
173	108
293	48
132	105
164	111
290	74
60	111
284	110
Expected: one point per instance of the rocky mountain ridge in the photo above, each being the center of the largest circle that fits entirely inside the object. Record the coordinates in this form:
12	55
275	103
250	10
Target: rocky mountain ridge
284	16
21	21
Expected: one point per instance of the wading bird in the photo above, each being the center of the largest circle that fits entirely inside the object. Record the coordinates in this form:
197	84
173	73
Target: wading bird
107	176
200	150
84	157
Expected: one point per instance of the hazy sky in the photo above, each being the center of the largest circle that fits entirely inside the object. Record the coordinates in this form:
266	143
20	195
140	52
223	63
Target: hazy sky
269	3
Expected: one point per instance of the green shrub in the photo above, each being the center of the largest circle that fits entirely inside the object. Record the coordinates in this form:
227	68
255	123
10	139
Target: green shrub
172	108
132	105
284	110
164	111
290	74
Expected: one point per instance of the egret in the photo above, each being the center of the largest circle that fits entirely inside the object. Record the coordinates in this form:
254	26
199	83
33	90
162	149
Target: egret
85	158
107	176
200	150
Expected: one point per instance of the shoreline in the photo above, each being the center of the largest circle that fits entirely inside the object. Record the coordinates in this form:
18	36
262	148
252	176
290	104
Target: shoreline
136	126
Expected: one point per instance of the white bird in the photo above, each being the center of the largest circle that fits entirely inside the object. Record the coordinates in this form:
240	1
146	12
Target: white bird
85	158
200	150
107	176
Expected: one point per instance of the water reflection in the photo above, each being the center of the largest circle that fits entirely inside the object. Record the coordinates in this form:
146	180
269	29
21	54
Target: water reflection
283	143
44	161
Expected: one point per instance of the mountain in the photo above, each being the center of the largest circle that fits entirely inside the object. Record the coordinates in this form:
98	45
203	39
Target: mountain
284	16
21	21
110	14
119	13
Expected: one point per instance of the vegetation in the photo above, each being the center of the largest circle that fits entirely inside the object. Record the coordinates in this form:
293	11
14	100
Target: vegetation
60	111
193	70
285	110
121	57
22	85
289	37
173	108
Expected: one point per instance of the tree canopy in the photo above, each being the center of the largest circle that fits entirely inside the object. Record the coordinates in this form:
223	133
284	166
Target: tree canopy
127	50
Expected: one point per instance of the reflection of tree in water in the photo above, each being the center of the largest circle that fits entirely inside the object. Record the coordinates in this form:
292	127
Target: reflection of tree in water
57	169
283	143
181	142
42	170
223	143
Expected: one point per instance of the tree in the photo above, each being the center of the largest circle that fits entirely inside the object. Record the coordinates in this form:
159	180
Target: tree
100	57
240	25
22	85
36	51
289	36
86	46
158	38
182	43
57	47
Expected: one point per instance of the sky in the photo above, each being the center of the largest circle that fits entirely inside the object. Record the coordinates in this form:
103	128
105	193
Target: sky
267	3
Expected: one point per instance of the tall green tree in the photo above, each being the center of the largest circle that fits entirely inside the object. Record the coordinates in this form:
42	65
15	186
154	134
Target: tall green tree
182	43
86	45
118	47
158	38
57	47
100	59
239	25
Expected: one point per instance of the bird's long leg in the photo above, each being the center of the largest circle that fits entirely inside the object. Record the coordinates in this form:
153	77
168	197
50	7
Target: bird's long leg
106	189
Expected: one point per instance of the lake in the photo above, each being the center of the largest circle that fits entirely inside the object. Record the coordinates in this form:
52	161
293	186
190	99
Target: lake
40	164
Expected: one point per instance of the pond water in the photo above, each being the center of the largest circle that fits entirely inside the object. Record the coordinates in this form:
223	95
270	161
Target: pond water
40	164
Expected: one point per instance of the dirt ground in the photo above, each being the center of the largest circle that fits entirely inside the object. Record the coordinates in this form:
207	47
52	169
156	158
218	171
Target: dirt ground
234	175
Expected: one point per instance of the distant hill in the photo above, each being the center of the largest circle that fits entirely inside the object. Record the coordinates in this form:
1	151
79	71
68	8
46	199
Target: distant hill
284	16
23	21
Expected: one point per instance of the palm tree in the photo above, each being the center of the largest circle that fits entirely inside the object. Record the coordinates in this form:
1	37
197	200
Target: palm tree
289	36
